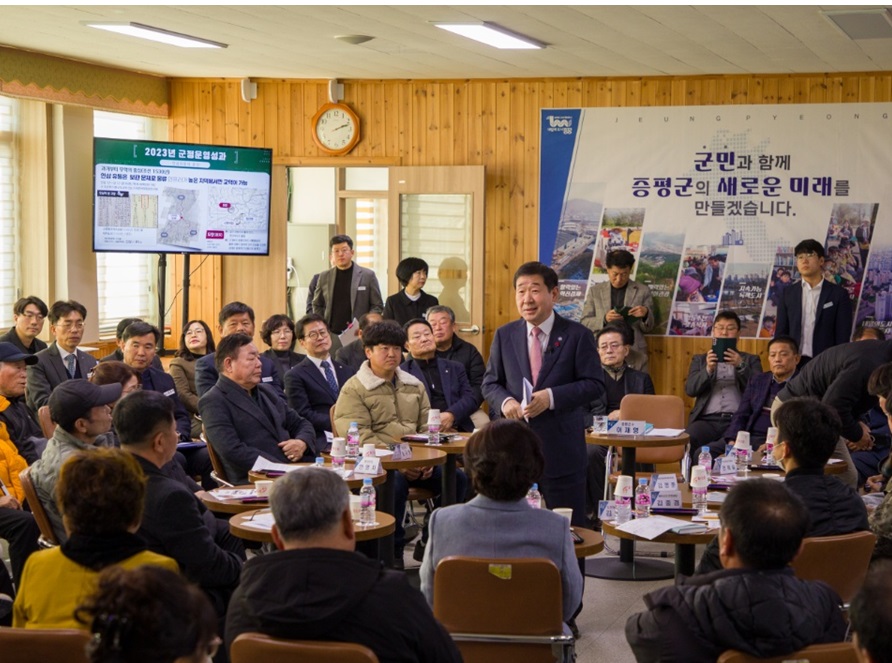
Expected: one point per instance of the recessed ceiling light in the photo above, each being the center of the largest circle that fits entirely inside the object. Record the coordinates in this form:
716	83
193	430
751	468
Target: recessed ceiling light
491	35
155	34
862	23
355	40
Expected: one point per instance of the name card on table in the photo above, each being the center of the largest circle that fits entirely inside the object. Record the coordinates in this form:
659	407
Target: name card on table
606	510
600	424
725	465
402	451
666	499
660	482
624	427
368	465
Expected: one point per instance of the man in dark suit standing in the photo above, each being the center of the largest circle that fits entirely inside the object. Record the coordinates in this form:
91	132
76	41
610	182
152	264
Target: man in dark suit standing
62	360
346	291
558	357
175	522
816	313
28	314
245	419
447	385
313	385
236	318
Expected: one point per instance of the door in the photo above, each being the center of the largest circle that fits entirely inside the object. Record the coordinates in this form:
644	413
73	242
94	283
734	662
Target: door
439	212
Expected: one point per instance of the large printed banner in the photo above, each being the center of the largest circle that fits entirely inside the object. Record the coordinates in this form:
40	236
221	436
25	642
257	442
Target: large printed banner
711	201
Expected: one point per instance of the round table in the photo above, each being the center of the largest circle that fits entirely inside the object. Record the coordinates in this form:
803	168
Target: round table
239	527
236	505
684	545
626	568
453	449
592	542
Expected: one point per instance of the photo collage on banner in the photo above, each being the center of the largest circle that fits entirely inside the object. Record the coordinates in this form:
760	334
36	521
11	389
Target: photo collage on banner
712	200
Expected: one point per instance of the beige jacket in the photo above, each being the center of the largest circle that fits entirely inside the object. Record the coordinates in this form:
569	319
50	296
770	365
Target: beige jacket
383	411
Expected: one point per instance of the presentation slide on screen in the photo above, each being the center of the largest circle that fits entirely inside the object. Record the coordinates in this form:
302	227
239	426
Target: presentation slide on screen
163	197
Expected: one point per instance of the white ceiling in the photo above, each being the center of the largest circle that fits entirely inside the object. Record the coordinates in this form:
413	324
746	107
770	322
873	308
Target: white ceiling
298	41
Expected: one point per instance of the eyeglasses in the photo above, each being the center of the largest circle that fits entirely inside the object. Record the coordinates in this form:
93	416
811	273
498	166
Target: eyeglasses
610	346
316	335
34	316
805	255
71	325
725	328
282	331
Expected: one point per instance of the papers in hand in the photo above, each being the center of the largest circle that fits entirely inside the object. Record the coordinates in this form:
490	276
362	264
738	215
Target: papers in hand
527	395
349	335
652	527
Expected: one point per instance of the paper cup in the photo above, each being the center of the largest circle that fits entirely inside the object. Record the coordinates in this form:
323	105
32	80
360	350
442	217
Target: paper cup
368	451
771	436
339	447
433	417
355	507
743	440
624	486
699	478
262	488
566	512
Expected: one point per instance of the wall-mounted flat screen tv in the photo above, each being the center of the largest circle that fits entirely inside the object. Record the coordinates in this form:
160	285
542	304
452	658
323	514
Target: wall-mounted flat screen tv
165	197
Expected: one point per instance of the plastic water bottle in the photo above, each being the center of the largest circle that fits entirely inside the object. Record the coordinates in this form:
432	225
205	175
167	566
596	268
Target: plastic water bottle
433	428
367	503
320	462
699	485
623	509
337	464
705	459
770	442
642	499
534	497
353	441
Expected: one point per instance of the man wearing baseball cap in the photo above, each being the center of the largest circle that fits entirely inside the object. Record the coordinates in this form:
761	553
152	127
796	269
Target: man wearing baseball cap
23	430
82	413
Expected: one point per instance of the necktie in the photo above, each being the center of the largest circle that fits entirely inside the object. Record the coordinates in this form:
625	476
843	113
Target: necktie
535	354
70	363
330	378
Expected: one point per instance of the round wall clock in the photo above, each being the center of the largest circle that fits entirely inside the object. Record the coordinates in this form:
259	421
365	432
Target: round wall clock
336	129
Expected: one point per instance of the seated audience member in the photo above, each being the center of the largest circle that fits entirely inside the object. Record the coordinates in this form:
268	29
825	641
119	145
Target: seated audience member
447	385
235	318
870	615
353	354
313	385
410	302
101	497
17	526
62	360
754	412
614	343
114	372
28	314
82	415
21	427
503	460
755	603
148	615
620	299
278	333
195	342
175	522
118	354
839	377
717	384
454	348
807	434
245	419
870	454
317	588
387	403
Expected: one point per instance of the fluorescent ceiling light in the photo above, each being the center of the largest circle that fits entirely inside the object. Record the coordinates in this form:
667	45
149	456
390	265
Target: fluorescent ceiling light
156	34
491	35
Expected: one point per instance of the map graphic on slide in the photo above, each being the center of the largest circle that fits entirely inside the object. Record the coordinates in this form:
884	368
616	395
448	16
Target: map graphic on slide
133	211
237	208
179	219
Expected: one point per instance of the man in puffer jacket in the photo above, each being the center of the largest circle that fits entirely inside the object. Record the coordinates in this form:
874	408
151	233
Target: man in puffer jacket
756	604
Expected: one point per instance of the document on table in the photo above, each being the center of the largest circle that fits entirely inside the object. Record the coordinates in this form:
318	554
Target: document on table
650	528
262	521
665	432
264	465
233	493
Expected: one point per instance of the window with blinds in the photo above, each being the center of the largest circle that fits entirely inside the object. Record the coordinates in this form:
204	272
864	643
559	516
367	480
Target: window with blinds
9	236
125	281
